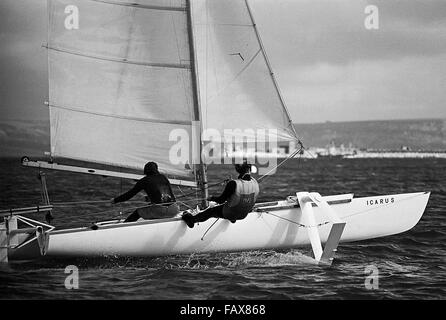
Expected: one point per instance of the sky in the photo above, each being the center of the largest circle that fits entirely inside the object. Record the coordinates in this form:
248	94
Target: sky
328	65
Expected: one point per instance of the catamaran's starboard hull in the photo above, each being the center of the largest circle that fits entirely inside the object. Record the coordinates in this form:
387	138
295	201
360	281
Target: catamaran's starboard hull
274	227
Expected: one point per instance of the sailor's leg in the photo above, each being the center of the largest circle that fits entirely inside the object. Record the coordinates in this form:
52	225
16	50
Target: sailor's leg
214	212
133	217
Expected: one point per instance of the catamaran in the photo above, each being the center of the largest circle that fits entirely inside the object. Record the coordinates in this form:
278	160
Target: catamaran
127	80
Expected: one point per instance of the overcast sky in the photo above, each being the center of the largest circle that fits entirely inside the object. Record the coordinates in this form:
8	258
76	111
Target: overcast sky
328	65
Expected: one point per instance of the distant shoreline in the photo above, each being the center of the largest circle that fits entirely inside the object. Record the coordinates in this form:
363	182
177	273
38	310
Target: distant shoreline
32	137
366	121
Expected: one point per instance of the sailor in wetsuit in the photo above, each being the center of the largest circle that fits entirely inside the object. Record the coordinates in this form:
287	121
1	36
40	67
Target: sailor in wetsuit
236	201
158	190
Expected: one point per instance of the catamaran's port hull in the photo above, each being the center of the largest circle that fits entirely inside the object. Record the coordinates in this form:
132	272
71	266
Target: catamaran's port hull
274	227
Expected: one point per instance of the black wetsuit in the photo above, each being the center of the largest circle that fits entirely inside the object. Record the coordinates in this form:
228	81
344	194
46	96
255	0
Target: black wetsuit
157	187
217	211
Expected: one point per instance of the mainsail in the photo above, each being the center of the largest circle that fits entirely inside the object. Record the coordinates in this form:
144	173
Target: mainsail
119	81
124	74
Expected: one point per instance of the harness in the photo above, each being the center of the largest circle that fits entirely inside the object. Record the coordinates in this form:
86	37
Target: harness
242	201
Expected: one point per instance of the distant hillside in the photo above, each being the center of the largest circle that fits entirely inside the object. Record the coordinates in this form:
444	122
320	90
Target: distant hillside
416	134
31	138
20	138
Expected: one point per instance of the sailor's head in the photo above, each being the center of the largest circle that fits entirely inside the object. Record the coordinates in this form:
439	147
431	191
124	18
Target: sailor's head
243	168
150	168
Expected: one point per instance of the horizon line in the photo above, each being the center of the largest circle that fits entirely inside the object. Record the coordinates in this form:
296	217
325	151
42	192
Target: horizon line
294	123
372	120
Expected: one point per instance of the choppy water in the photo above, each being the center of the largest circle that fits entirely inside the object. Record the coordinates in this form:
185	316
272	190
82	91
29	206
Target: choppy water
410	265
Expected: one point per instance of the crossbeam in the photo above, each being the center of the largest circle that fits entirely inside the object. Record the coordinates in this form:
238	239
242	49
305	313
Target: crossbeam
280	205
24	231
20	211
106	173
11	239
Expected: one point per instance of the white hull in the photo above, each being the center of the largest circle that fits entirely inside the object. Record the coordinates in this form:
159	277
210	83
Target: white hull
365	218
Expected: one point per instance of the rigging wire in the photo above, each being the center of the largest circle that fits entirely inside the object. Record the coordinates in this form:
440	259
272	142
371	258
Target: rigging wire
210	227
296	223
282	162
184	195
71	203
130	209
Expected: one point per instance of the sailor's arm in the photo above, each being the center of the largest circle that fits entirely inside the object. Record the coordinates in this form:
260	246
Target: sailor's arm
129	194
227	192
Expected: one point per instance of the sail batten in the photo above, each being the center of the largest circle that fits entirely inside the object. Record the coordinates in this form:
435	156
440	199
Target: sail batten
142	6
121	116
120	60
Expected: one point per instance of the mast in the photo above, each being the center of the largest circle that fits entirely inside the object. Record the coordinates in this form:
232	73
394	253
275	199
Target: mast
200	169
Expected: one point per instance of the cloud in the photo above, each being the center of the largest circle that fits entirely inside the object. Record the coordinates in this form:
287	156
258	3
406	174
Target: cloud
407	88
415	12
328	65
309	32
3	134
22	59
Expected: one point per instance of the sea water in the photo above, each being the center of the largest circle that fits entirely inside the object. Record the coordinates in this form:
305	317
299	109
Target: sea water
410	265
